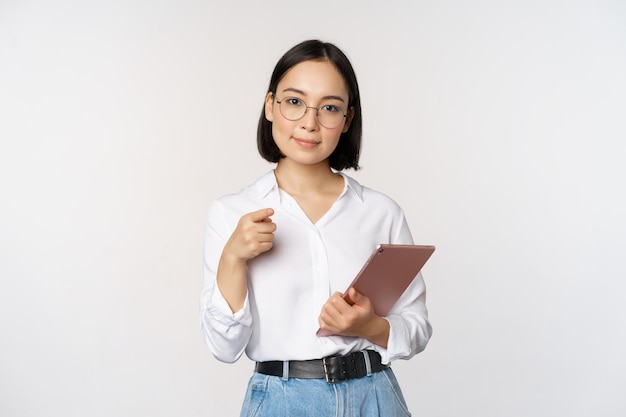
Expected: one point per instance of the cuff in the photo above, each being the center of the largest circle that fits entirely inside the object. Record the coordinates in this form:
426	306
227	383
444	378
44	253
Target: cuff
220	311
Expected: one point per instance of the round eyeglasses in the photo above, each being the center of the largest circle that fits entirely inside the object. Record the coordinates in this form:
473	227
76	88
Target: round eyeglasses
328	115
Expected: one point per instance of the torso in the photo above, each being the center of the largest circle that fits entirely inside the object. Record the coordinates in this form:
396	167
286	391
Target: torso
316	204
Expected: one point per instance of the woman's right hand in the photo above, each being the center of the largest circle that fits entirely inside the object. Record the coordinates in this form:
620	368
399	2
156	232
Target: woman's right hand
253	235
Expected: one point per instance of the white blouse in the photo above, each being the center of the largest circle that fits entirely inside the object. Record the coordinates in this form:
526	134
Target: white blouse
289	284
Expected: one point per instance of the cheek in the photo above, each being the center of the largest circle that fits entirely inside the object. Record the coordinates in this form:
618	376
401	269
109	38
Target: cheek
281	128
334	137
279	136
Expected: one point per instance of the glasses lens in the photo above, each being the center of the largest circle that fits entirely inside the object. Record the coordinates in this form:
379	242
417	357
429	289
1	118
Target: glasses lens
292	108
330	116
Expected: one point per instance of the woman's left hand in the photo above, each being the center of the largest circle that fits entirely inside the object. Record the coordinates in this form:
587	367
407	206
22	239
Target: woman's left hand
358	319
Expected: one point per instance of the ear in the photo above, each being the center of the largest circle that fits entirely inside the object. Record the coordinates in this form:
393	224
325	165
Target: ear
349	118
269	107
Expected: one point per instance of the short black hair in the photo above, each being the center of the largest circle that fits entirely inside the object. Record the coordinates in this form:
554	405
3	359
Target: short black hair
346	155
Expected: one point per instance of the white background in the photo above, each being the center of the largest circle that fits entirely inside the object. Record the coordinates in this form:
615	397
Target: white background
499	126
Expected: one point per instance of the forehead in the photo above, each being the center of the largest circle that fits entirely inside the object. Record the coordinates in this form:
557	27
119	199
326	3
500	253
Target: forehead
314	79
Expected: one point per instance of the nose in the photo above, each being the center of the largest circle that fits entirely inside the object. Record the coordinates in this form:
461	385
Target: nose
309	120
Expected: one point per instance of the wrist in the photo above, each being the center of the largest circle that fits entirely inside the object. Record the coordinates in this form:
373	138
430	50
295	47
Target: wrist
378	331
231	260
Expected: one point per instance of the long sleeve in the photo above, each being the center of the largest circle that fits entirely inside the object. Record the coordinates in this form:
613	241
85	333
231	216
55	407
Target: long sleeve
226	333
410	329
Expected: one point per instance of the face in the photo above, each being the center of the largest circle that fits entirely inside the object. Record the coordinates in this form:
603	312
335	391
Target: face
306	141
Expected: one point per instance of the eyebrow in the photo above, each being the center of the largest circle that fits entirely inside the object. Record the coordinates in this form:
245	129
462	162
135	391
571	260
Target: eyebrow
295	90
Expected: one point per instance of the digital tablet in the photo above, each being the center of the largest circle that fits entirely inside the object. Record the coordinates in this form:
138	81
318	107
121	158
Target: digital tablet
386	275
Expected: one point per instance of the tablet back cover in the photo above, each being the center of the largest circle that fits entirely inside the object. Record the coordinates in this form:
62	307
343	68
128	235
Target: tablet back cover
387	274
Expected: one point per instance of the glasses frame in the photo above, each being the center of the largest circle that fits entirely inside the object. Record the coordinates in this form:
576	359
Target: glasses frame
306	108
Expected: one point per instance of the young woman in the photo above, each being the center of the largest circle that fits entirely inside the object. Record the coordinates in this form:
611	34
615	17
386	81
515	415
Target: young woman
279	252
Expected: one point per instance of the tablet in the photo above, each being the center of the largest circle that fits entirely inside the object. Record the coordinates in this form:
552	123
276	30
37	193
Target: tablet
386	275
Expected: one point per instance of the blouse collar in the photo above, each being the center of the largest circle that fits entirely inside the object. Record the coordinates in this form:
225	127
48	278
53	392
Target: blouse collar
267	185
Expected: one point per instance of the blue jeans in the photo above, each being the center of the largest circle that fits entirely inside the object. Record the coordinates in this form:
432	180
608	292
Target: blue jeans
370	396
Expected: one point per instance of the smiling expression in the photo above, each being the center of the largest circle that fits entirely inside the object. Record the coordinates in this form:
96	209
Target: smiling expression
305	141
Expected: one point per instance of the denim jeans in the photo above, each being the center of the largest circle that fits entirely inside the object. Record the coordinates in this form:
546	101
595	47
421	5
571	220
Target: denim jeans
371	396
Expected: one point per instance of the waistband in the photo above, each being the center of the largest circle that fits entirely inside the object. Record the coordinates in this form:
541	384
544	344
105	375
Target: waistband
332	368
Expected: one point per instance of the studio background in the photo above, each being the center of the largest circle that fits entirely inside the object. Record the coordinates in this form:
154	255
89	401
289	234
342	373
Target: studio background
497	125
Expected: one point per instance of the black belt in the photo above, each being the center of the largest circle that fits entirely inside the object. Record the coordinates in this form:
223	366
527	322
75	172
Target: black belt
334	368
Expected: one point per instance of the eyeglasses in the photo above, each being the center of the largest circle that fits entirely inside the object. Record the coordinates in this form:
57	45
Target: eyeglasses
328	115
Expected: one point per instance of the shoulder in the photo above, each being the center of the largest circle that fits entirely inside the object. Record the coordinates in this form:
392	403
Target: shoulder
255	190
372	197
246	199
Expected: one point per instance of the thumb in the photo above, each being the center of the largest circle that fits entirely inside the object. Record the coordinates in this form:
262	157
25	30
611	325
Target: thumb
355	296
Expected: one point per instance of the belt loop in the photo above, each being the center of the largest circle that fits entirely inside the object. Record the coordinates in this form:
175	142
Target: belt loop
368	364
285	370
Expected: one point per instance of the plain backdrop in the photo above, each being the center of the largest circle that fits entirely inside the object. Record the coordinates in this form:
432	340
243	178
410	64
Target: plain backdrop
499	127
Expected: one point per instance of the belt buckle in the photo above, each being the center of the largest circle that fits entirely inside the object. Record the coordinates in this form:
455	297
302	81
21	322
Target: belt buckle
327	372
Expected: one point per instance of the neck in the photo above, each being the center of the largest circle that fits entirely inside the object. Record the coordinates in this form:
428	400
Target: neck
300	179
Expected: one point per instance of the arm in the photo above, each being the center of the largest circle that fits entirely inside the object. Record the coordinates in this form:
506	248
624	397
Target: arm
254	235
410	329
225	312
355	318
403	333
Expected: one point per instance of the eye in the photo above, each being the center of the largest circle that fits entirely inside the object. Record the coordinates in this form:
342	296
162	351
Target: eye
330	108
293	101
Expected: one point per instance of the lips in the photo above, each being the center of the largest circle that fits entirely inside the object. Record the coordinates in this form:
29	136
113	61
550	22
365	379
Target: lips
306	143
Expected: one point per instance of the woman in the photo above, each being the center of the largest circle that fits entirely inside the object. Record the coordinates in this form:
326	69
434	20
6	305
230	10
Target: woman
279	252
